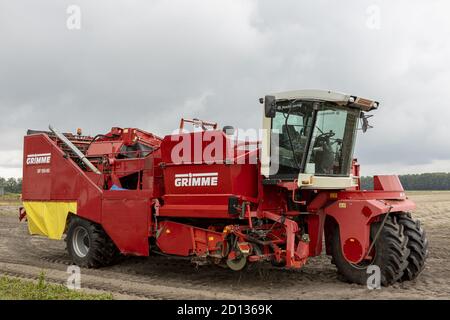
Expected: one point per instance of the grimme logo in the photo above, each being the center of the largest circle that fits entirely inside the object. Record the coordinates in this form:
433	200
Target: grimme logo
196	179
41	158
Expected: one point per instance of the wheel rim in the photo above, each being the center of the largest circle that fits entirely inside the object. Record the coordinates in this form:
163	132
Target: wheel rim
81	241
237	264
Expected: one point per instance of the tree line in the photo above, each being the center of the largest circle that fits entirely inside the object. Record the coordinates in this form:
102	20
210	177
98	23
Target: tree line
11	185
423	181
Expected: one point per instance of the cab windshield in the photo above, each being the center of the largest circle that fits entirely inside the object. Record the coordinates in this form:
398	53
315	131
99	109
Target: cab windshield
314	138
331	149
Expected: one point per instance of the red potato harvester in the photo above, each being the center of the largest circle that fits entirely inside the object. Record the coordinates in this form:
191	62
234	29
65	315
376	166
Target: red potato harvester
208	196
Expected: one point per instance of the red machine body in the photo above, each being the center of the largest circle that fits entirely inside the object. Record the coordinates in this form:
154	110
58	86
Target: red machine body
211	203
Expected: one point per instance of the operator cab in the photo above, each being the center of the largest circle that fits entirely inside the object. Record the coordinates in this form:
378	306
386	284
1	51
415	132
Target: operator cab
310	136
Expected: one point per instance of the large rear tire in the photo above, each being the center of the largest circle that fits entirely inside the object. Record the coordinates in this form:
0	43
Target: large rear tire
417	244
390	254
88	245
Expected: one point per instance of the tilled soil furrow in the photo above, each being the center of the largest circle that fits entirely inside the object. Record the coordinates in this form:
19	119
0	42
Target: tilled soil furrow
124	287
159	277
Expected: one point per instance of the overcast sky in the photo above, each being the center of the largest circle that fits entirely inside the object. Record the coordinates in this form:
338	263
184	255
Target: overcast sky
148	63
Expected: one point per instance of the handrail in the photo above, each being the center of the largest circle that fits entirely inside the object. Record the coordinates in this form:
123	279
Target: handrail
77	151
198	122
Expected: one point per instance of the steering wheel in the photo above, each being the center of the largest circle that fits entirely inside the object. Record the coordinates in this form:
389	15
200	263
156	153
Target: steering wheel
325	135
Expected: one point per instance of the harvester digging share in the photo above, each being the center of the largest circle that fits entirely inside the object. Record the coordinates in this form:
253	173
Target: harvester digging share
215	199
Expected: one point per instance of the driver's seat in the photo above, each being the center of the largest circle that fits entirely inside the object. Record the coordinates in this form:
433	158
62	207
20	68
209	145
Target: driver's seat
294	134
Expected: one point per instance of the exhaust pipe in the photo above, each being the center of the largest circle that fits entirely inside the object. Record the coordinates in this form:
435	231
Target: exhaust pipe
74	149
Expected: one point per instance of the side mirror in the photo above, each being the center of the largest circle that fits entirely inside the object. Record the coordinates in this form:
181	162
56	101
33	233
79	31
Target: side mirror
270	106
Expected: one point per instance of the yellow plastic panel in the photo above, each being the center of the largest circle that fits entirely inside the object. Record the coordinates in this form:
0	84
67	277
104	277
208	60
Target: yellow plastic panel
48	218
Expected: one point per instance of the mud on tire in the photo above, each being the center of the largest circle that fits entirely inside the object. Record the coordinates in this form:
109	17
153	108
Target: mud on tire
88	245
391	254
417	244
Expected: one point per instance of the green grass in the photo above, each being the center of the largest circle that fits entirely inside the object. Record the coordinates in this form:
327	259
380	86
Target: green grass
9	204
17	289
10	199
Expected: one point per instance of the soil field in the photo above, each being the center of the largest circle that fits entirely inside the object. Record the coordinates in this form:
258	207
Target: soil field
159	277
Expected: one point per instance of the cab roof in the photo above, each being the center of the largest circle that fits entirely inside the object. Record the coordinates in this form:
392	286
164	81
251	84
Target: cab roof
330	96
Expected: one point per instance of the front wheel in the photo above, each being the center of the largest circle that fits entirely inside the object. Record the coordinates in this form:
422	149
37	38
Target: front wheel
88	245
389	254
417	244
